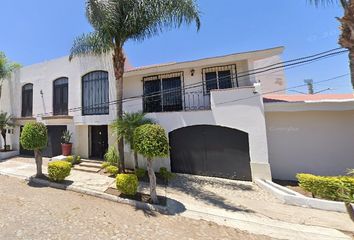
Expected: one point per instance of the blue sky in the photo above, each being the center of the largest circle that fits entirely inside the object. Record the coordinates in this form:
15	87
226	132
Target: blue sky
38	30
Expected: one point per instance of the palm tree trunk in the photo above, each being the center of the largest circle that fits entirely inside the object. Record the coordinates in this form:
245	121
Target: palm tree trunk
136	160
39	162
3	134
152	180
118	65
351	65
350	211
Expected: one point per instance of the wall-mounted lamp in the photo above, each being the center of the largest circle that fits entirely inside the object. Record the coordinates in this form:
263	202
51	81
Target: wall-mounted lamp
192	72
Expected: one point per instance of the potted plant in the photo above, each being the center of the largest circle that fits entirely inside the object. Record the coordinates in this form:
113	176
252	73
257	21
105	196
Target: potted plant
66	145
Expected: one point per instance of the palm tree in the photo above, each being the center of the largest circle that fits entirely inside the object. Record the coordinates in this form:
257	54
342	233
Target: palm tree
6	68
125	127
346	39
117	21
5	123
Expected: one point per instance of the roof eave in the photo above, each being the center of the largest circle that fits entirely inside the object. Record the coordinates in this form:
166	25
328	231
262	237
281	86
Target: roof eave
252	55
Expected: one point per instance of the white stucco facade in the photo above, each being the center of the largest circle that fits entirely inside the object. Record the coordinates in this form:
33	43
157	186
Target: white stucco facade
246	115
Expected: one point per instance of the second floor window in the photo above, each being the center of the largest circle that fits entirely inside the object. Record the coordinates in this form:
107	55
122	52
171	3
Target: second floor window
60	96
221	77
95	93
163	93
27	100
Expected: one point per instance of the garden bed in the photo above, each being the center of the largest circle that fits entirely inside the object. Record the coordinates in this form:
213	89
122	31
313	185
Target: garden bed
293	185
141	197
159	179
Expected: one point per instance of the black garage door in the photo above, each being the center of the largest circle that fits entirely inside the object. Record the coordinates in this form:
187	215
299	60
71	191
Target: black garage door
211	151
54	146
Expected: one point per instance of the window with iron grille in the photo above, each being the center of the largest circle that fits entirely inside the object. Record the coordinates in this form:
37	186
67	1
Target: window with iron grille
220	77
27	100
60	96
95	93
163	93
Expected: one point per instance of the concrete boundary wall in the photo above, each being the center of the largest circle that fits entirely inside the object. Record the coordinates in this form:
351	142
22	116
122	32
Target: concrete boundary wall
290	197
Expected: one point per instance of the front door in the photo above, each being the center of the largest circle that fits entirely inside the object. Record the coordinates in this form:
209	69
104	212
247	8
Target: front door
99	141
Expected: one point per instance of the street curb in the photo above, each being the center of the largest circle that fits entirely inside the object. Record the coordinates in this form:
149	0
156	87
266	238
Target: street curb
137	204
291	197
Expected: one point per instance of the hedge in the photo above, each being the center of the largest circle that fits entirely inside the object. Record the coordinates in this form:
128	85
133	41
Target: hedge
113	170
58	171
73	159
127	183
165	174
330	188
140	172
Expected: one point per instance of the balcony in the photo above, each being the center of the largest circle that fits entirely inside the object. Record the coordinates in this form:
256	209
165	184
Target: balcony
176	101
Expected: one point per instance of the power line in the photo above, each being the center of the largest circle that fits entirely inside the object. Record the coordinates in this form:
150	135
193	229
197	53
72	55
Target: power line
302	58
289	88
292	64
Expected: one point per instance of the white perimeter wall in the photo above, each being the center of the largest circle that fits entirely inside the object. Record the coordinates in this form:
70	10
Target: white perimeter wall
317	142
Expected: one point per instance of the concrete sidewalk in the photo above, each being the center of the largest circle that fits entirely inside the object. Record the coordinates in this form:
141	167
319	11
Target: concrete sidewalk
221	201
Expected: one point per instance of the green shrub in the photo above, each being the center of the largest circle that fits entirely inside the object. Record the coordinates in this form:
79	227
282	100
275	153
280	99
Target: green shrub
70	159
112	156
59	170
73	159
330	188
113	170
127	183
140	172
34	136
105	165
150	141
166	174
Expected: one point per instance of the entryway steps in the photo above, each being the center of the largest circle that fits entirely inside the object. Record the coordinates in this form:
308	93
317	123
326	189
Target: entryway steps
92	166
90	161
87	169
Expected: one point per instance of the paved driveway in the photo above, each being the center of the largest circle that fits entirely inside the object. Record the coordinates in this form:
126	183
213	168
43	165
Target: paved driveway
246	201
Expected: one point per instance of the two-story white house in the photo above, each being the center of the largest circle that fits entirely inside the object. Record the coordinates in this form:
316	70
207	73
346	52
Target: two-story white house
212	108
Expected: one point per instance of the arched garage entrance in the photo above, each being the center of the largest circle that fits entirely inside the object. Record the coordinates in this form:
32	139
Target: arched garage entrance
211	151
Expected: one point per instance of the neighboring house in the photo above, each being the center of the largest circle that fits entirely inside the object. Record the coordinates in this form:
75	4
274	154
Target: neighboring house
209	107
310	134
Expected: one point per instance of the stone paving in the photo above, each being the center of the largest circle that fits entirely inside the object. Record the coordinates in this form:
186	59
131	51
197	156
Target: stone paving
35	212
228	198
241	205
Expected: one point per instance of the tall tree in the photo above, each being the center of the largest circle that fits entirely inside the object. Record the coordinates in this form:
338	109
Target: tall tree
125	127
346	39
34	136
117	21
5	123
6	68
151	142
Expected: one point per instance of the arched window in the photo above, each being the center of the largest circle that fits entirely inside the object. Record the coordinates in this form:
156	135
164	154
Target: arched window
95	93
60	96
27	100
